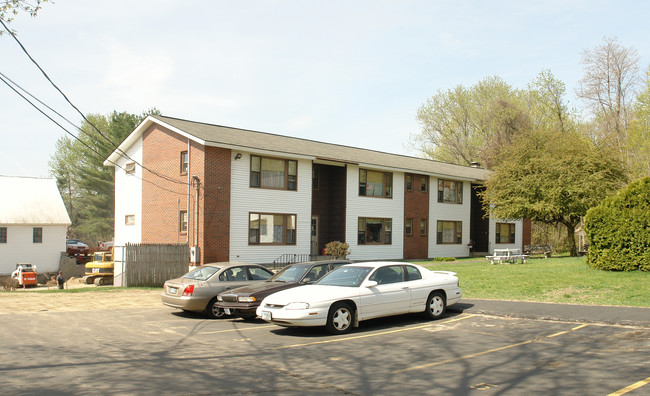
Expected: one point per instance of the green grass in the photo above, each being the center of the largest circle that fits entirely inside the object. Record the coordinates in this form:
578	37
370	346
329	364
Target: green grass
558	280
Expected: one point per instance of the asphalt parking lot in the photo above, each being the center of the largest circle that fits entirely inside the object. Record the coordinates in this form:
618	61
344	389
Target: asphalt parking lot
470	351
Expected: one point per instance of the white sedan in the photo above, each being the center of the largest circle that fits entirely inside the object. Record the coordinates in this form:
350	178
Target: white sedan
356	292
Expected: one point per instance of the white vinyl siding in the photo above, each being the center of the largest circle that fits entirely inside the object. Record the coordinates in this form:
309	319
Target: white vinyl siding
449	212
519	231
20	247
246	199
374	207
128	201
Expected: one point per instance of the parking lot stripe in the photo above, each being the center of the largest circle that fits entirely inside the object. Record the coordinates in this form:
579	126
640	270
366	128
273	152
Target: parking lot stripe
230	330
460	317
473	355
630	388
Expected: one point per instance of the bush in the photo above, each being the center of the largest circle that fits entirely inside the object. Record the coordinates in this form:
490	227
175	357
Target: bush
619	230
337	249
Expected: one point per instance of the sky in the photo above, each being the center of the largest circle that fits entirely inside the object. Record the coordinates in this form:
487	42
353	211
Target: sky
345	72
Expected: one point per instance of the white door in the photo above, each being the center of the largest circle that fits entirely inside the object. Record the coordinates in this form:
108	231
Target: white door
391	296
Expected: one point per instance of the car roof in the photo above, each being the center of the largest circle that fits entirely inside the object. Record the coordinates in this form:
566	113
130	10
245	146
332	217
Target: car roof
377	264
310	263
228	264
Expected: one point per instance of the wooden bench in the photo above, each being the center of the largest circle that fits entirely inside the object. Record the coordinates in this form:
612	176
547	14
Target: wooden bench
546	250
506	255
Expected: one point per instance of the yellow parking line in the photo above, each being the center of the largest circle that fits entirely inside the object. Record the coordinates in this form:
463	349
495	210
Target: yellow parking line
630	388
375	334
230	330
473	355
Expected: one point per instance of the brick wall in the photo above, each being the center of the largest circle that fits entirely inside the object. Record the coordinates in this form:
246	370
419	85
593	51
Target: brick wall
416	207
216	208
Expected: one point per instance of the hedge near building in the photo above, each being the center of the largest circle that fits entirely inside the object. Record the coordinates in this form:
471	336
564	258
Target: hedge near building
619	230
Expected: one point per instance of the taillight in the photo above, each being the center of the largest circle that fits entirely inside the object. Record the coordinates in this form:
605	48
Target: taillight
189	290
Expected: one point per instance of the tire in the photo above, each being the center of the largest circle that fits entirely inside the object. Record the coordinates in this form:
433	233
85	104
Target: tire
340	318
436	305
214	312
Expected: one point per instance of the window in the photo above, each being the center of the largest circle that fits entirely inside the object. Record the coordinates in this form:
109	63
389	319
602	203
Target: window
423	184
409	182
413	273
450	191
386	275
450	232
375	231
37	236
408	227
129	168
271	229
375	184
423	226
129	220
274	173
315	178
182	220
3	234
505	233
185	161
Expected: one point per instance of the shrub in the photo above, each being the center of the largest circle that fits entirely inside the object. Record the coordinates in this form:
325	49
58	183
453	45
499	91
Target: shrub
337	249
619	230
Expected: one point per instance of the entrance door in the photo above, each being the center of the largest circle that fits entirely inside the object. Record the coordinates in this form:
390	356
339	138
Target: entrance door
314	236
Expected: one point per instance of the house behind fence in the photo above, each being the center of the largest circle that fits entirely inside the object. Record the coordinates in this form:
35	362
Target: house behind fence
152	264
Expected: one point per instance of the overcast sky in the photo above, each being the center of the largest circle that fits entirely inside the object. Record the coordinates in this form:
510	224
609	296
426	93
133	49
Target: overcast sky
346	72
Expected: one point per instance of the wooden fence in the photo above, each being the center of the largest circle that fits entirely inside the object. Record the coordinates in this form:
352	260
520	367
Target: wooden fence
152	264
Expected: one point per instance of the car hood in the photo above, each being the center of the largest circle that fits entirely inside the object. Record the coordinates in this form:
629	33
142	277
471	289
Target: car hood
262	289
312	294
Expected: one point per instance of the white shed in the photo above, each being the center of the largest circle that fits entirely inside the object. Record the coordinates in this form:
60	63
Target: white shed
33	223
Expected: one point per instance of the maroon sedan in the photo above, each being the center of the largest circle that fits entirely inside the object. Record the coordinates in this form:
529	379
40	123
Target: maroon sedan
243	301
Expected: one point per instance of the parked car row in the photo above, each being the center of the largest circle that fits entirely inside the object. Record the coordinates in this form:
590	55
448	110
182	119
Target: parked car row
335	294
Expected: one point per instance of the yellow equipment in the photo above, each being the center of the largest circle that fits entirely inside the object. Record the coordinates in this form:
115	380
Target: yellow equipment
100	270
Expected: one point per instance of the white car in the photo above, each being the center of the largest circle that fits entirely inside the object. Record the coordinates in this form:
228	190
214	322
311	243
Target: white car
360	291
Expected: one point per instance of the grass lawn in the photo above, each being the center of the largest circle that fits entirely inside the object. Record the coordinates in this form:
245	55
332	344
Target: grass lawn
559	280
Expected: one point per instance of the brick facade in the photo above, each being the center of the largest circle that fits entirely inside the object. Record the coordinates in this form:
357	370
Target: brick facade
416	207
169	191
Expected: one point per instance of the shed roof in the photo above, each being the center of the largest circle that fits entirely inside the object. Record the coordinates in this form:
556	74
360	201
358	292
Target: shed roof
247	140
31	201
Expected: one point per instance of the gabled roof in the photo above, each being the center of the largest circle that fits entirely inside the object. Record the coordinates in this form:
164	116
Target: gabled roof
31	201
272	144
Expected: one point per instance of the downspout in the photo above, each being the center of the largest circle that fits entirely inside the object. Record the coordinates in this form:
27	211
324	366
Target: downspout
187	234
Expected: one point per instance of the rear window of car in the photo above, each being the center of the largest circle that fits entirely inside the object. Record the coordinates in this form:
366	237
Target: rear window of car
290	274
202	273
345	276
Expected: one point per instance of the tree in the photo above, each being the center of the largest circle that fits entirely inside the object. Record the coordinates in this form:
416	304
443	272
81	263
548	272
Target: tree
608	87
10	8
551	176
639	134
87	187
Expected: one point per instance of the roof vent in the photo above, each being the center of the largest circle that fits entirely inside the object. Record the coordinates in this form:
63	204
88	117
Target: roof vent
475	164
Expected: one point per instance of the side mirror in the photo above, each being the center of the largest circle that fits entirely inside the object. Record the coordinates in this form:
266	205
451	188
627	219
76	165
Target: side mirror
370	284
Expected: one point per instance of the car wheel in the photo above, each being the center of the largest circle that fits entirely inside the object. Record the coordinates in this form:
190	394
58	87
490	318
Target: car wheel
213	311
339	318
436	305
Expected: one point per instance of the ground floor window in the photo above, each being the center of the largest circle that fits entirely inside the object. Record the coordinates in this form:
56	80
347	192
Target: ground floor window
271	229
182	220
408	227
505	233
423	227
450	232
375	231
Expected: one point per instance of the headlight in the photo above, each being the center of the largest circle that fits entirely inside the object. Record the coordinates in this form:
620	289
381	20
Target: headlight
219	298
297	305
246	299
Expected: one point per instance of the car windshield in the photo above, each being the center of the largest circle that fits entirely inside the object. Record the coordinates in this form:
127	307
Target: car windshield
202	273
290	274
345	276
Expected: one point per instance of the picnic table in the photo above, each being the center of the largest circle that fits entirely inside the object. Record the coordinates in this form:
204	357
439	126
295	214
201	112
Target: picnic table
507	255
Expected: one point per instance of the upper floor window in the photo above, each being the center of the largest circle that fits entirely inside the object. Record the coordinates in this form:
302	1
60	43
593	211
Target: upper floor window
274	173
375	231
409	182
129	168
271	229
3	234
375	184
37	236
450	232
505	233
185	162
423	184
450	191
315	177
129	220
